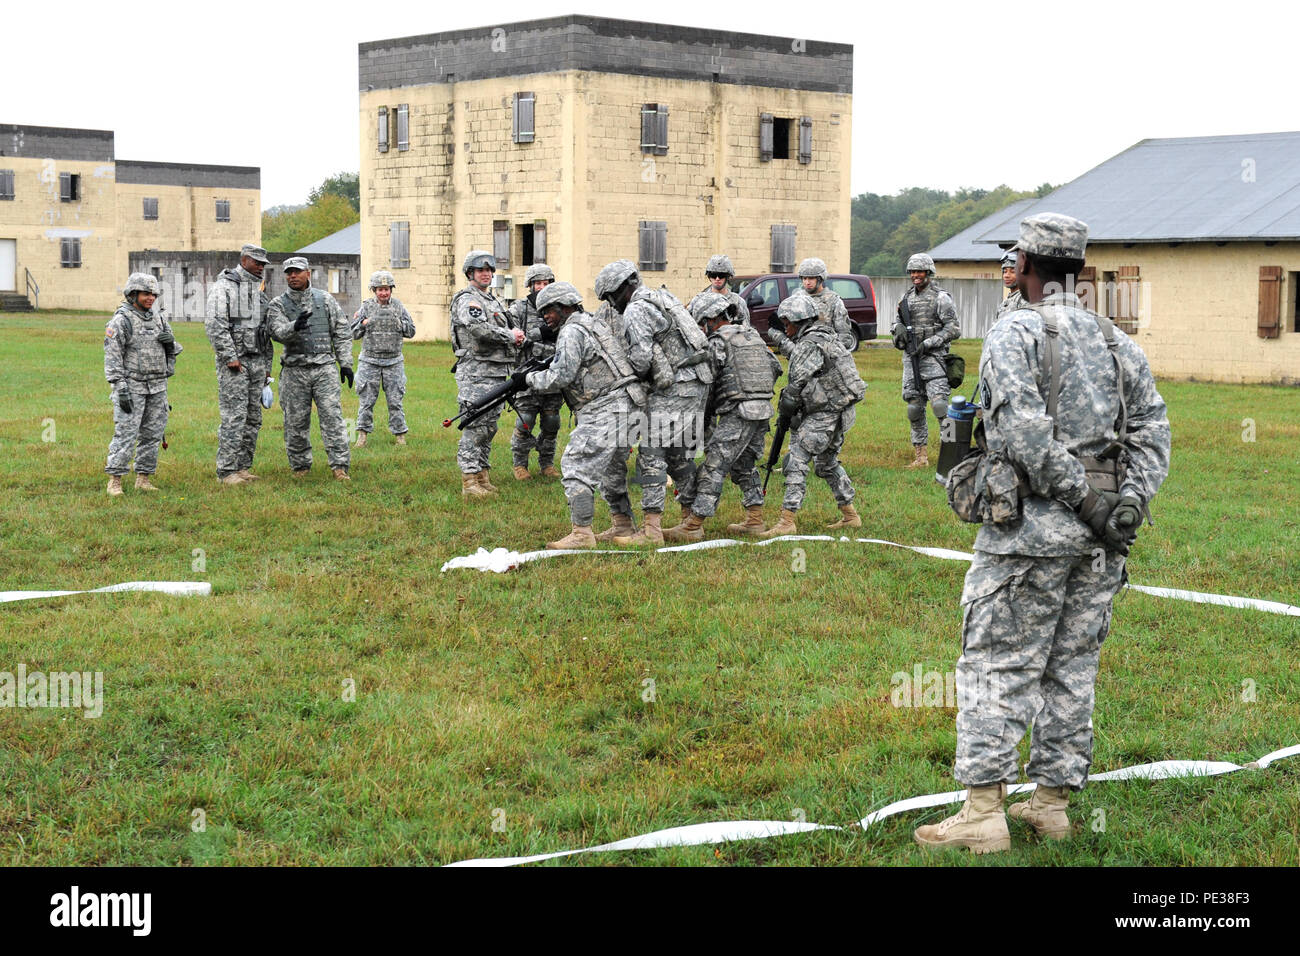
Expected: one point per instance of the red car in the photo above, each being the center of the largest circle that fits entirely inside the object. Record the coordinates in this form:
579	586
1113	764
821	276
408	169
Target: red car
764	293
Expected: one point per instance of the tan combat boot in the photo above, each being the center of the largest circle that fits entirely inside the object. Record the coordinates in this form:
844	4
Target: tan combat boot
485	484
785	526
521	473
753	523
851	518
234	479
401	439
690	529
340	474
361	439
248	475
979	825
142	483
622	526
114	485
470	488
1045	812
579	537
650	533
919	459
550	471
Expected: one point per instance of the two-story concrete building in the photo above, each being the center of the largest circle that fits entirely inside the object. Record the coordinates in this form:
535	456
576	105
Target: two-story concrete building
577	140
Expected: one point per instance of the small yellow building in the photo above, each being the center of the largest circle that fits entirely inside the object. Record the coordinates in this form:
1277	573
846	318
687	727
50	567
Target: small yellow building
578	140
71	214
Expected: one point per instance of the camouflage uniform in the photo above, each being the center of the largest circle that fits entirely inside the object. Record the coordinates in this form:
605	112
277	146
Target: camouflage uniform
933	317
592	371
235	323
744	373
136	362
675	407
308	373
1037	599
380	364
832	310
731	297
825	382
485	355
1012	302
529	404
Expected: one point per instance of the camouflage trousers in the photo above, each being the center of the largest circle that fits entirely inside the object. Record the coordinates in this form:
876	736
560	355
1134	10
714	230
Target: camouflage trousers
672	433
300	386
936	391
474	452
523	441
1032	629
818	441
137	433
595	459
370	379
734	446
239	396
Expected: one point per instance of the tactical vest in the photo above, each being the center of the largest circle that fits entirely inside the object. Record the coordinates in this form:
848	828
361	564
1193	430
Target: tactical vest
464	344
246	314
925	320
610	369
838	385
833	317
384	329
143	356
747	374
682	342
315	339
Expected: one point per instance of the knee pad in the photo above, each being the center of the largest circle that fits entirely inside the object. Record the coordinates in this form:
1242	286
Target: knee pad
940	406
551	422
915	413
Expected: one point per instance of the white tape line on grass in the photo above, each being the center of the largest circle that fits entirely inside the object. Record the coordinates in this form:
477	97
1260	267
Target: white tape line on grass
501	559
183	588
702	834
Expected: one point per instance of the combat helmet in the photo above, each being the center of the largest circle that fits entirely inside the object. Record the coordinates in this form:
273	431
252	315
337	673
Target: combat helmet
710	305
140	282
478	259
382	278
814	268
558	293
920	263
720	265
611	278
1008	259
538	270
797	309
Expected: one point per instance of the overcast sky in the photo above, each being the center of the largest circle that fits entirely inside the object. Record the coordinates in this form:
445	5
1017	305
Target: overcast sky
945	94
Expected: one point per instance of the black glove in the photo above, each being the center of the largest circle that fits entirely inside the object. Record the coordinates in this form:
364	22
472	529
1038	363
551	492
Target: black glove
1095	510
302	321
1123	523
788	406
900	340
519	379
124	399
345	374
165	337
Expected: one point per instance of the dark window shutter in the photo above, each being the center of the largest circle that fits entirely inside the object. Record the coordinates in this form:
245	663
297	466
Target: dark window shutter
65	186
661	246
783	247
539	240
399	245
661	130
383	129
1270	301
1127	305
522	128
501	244
645	246
6	184
649	127
805	139
765	137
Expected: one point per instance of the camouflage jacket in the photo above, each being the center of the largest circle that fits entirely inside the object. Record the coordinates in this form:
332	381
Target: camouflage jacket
734	299
235	317
1012	302
481	335
282	329
833	312
360	328
132	355
932	314
1014	385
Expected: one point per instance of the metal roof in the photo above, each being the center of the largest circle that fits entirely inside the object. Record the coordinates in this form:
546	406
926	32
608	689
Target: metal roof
1190	189
963	247
345	242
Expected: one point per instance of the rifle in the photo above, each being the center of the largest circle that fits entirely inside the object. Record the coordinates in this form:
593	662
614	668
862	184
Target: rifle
502	393
778	439
914	353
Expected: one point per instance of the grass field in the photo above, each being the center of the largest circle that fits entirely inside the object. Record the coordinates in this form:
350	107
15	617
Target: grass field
517	699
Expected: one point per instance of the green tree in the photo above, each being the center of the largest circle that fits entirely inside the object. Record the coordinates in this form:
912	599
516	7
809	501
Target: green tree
289	231
347	185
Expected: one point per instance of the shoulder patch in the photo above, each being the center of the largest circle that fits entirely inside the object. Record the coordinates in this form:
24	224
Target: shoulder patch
475	312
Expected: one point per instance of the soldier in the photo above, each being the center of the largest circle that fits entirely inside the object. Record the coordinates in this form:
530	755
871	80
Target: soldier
823	388
540	344
236	327
928	312
720	272
592	370
830	308
315	334
671	354
744	375
139	356
1014	299
1071	407
486	347
384	322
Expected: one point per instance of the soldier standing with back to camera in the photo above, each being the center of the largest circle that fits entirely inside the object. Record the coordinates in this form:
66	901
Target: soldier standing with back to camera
486	346
540	345
236	326
1074	424
929	313
139	356
315	334
383	322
